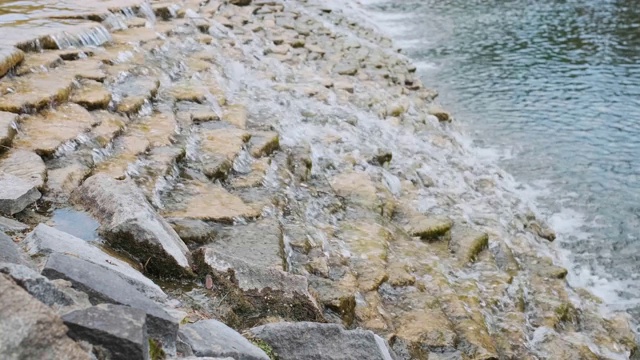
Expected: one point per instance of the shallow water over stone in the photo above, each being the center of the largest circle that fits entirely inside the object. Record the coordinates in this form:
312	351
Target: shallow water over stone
292	138
551	89
76	223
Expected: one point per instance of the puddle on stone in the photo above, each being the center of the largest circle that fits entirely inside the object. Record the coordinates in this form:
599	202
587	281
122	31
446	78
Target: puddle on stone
76	223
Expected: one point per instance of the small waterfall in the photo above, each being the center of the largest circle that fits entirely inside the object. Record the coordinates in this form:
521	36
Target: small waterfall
94	36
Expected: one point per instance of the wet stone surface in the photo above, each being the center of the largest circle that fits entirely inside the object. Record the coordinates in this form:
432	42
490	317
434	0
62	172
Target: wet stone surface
263	161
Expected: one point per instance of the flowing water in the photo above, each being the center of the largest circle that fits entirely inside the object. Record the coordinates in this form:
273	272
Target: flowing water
552	89
168	82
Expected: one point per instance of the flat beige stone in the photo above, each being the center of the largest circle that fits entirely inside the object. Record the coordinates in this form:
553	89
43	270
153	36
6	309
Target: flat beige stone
92	95
35	91
204	201
109	126
26	165
45	133
227	142
39	62
236	114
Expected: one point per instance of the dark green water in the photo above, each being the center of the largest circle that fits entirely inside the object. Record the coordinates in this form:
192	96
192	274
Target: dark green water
553	89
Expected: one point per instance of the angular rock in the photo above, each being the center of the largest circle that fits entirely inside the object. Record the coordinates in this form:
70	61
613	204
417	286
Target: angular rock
316	341
213	338
45	240
120	331
128	222
11	226
30	329
7	127
103	286
16	194
256	290
9	251
258	243
26	165
36	285
193	231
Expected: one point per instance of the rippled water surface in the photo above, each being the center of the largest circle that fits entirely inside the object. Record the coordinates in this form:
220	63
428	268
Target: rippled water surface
554	87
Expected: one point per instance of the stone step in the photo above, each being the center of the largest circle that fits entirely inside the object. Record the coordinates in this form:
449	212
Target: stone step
47	132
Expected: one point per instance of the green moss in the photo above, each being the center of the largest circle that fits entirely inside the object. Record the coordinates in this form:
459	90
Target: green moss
566	312
152	257
155	350
265	347
477	245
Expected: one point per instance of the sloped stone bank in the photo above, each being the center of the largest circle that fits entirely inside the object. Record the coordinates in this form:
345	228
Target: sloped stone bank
271	180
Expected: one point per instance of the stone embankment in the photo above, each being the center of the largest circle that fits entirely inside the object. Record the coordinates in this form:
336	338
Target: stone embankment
270	180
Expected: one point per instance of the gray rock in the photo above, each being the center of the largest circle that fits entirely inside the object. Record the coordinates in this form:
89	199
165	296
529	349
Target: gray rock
258	243
16	194
120	331
213	338
11	226
45	240
264	292
316	341
26	165
30	329
103	286
193	231
252	277
36	285
129	223
9	251
7	127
